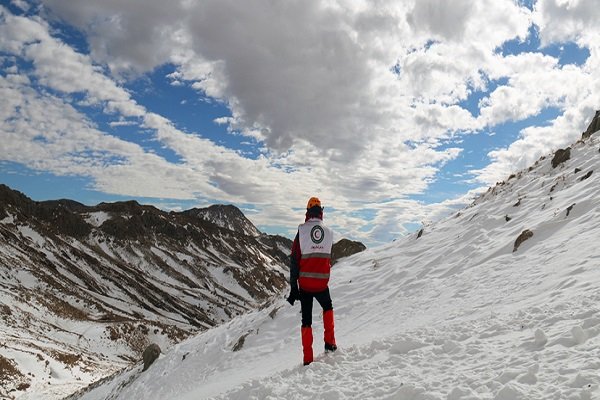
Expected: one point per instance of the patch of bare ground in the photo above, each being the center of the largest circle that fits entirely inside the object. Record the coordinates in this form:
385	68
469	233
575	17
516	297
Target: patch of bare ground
11	378
61	308
5	310
135	334
6	314
68	359
174	333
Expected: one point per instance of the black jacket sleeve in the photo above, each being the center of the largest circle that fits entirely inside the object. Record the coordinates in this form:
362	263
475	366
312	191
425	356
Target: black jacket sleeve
295	262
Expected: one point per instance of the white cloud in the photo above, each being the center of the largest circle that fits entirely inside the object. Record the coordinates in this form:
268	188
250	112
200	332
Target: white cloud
357	102
128	36
537	82
563	21
121	122
446	20
45	132
22	4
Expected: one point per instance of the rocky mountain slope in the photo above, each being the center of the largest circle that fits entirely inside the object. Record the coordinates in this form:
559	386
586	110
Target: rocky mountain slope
225	216
84	289
345	248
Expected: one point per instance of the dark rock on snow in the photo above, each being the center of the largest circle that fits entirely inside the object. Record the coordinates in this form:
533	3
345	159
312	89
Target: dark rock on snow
345	248
150	355
561	156
593	127
583	178
526	234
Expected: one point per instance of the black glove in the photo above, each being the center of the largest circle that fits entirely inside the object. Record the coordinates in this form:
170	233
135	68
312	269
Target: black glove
294	295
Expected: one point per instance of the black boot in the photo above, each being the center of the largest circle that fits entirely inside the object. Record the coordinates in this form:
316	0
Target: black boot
330	348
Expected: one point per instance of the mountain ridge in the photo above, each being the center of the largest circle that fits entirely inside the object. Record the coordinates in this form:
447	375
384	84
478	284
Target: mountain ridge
227	217
130	273
137	273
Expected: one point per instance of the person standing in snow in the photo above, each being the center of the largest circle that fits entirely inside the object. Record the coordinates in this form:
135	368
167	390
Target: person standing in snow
310	265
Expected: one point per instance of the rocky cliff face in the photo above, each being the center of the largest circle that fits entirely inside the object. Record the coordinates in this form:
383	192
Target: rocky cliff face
345	248
593	127
84	289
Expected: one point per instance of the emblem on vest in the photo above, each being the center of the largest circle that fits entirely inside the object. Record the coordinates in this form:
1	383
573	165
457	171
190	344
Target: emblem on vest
317	234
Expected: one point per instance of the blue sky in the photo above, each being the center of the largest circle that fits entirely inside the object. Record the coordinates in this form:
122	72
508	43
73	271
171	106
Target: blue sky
395	114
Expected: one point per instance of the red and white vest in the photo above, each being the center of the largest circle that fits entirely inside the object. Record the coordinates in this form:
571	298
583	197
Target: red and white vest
316	241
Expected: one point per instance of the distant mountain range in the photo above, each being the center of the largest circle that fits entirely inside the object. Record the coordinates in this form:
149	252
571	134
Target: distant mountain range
90	287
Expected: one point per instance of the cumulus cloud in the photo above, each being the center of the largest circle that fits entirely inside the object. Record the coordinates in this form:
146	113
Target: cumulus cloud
22	4
562	21
358	102
289	72
441	18
45	132
130	37
537	82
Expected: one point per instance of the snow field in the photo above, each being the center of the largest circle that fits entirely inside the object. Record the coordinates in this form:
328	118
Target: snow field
498	357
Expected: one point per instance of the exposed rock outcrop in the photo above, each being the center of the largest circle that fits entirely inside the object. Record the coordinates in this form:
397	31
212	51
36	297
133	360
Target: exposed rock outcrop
586	176
593	127
561	156
526	234
150	355
345	248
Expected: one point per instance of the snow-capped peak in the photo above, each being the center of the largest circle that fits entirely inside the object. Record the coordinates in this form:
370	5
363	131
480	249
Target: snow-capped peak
228	217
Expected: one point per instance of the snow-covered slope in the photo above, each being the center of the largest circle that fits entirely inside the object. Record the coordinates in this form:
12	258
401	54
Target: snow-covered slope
83	290
452	314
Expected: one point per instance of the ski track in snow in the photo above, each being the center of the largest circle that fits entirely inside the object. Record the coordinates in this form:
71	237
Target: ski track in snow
454	314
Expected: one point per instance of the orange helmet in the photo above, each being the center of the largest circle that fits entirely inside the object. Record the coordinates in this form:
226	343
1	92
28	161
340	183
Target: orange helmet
312	202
